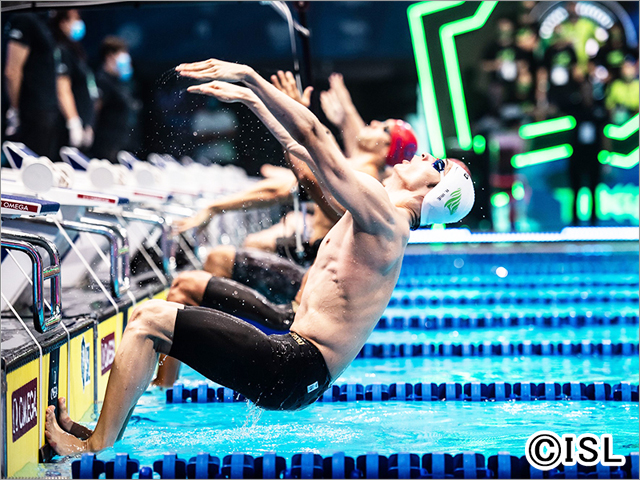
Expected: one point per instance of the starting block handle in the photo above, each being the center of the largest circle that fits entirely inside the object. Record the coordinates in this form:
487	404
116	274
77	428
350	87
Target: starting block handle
27	243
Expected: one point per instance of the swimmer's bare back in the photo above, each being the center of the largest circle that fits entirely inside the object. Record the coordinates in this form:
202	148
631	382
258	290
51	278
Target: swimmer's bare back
348	288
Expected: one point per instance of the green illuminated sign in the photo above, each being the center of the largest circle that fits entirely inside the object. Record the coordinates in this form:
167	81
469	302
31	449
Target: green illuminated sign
479	144
624	131
618	203
564	196
543	155
517	190
547	127
452	67
619	160
585	205
448	32
621	133
500	199
416	13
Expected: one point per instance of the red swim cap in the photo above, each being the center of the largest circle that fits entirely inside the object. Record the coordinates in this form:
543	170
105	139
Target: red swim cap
404	143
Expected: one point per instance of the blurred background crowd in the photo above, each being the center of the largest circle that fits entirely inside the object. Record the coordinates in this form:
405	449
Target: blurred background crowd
99	77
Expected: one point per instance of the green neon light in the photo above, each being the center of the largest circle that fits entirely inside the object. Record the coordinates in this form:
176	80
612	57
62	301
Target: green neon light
500	199
425	76
547	127
479	144
619	160
623	131
517	190
543	155
494	150
585	207
564	196
452	67
438	226
618	203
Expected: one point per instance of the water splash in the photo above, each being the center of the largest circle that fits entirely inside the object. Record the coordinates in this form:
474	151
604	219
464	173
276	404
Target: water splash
253	416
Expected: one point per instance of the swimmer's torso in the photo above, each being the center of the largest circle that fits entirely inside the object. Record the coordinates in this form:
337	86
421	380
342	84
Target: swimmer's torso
347	290
320	226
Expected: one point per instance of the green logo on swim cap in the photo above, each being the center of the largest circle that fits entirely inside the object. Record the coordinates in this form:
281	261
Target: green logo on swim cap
454	202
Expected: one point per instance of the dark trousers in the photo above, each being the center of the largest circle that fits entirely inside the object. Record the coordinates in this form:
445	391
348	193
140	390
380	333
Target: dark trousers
38	131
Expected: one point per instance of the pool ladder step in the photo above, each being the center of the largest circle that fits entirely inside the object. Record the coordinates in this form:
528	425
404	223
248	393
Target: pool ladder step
427	392
369	465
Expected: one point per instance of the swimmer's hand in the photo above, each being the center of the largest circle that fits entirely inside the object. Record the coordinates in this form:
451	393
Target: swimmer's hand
213	69
223	91
336	84
271	171
286	83
200	220
332	108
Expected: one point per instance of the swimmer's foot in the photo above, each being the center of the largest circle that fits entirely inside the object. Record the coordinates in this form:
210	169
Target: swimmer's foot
63	415
63	443
69	425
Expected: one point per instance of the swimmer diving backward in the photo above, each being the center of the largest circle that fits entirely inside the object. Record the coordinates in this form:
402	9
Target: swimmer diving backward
266	287
348	286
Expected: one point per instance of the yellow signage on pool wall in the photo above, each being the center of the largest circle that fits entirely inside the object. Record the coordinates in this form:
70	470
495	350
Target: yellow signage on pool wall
109	336
81	379
23	416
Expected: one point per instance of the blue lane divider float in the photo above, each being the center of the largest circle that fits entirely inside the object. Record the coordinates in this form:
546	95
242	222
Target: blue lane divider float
468	349
519	281
369	465
426	392
203	393
397	319
405	298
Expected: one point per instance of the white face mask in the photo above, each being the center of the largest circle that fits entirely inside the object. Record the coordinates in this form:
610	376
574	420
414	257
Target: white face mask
450	200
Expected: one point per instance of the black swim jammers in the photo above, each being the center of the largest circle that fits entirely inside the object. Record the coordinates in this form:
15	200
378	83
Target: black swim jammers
241	301
276	278
276	372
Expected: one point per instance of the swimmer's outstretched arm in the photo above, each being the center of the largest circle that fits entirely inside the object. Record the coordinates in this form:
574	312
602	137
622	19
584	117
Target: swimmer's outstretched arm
296	154
360	194
350	121
267	192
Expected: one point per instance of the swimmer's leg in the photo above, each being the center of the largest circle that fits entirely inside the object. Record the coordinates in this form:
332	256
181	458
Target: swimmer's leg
188	289
277	278
68	425
197	288
148	333
168	372
241	301
220	261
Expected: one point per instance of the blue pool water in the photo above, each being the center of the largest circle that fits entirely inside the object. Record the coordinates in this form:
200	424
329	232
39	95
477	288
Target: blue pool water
447	426
492	369
387	427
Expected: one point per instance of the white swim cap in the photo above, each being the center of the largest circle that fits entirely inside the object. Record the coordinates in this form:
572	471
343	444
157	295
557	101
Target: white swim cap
450	200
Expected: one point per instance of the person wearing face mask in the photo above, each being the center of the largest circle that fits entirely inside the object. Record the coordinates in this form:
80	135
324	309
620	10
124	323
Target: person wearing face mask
77	91
115	105
30	81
